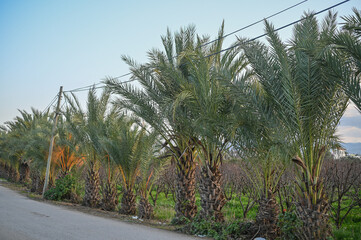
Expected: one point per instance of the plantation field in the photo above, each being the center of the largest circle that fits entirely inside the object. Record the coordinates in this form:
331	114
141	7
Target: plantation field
350	230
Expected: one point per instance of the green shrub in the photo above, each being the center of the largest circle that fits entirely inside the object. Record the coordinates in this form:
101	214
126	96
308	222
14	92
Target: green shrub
288	223
351	232
64	188
227	230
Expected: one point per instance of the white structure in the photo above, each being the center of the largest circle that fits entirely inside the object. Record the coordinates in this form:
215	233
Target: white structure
339	153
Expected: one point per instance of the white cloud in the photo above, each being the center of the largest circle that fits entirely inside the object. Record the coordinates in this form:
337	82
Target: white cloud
351	111
349	134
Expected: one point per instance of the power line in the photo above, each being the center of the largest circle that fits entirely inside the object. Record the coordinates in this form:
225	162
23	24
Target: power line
277	29
87	87
252	24
50	104
205	44
234	46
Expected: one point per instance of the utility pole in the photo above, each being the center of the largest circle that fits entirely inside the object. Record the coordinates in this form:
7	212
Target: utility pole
52	140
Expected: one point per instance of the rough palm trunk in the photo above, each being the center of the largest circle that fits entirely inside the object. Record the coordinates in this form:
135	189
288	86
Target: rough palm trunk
145	209
37	182
312	207
92	187
7	172
2	170
186	184
24	173
315	222
110	196
267	217
14	174
212	197
314	216
128	205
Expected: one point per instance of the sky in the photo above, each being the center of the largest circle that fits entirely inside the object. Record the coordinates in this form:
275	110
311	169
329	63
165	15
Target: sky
48	44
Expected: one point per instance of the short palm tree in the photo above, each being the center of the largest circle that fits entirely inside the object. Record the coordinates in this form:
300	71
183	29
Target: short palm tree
308	104
87	128
161	81
14	142
128	147
66	154
150	167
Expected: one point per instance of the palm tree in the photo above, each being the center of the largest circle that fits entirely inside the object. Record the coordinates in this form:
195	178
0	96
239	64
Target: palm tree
13	145
36	151
264	146
87	128
128	147
161	80
348	56
151	164
65	153
27	145
308	104
206	94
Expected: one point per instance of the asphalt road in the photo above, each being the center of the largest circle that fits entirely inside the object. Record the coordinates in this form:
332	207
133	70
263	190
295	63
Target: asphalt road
23	218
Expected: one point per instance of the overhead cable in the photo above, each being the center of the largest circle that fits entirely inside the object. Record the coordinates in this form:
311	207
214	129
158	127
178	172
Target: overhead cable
234	46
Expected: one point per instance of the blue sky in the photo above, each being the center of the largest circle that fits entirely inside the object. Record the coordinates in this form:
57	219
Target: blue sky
46	44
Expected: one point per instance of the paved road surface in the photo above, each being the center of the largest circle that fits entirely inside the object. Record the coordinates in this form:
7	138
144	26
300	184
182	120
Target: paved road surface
23	218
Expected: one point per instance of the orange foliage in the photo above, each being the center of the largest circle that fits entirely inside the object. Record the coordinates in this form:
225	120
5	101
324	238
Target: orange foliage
66	158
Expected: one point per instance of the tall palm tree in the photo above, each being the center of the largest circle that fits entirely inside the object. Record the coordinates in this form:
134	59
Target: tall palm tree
308	104
207	95
161	80
87	128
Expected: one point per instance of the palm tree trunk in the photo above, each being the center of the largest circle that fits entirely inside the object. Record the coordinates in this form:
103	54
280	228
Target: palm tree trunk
315	221
24	173
14	174
212	197
37	182
128	205
267	217
145	209
2	170
186	184
92	186
314	216
110	196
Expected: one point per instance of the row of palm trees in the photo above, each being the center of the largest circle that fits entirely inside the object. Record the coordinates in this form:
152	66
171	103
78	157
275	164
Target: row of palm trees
270	101
193	104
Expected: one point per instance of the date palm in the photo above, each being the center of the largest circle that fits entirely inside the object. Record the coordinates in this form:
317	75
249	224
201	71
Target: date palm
128	147
66	154
308	104
27	141
207	96
161	80
149	169
87	127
